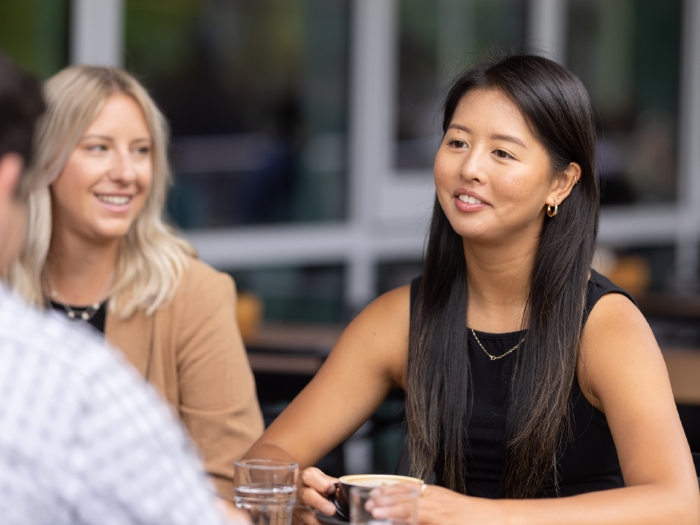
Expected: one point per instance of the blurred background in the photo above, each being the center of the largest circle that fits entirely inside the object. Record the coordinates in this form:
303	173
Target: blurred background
303	135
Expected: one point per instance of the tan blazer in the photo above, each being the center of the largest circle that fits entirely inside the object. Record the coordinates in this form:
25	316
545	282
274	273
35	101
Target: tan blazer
192	352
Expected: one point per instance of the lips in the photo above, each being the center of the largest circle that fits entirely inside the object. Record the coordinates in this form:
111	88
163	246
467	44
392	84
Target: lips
116	200
469	197
468	201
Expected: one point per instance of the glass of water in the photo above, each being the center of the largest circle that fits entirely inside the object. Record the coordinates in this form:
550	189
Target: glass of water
406	501
266	488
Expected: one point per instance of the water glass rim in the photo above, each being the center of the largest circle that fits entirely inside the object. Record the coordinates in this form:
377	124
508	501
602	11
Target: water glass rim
267	464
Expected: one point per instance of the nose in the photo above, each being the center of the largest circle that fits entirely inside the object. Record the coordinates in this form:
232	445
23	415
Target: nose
123	169
472	168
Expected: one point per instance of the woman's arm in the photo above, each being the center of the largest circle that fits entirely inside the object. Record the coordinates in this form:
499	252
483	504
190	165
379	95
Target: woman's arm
217	399
621	372
368	360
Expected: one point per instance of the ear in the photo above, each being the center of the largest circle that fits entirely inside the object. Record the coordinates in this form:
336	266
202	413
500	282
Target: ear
11	166
562	184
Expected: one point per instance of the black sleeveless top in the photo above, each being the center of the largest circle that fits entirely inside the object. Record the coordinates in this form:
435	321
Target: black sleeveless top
97	320
588	463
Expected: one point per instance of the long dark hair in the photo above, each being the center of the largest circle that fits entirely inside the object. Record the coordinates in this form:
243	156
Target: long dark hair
557	109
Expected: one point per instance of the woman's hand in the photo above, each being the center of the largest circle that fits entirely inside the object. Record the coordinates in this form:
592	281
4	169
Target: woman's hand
234	514
313	488
437	505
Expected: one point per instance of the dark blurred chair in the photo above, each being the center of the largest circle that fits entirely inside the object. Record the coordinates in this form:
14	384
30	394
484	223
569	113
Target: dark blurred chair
403	467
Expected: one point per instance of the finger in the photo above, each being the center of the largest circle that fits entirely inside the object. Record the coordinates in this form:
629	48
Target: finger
235	515
398	501
304	516
314	485
403	511
314	478
399	488
311	497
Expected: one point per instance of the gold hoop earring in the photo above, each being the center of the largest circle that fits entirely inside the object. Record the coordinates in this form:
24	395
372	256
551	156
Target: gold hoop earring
552	210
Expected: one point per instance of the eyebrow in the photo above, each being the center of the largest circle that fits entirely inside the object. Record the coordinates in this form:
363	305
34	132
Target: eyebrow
110	139
509	138
497	136
97	136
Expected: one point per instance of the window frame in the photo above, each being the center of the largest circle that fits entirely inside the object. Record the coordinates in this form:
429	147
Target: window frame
389	210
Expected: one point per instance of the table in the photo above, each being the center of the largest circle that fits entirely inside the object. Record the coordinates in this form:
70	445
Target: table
286	348
683	366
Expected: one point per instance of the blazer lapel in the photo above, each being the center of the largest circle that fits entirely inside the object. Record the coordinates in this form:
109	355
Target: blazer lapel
133	336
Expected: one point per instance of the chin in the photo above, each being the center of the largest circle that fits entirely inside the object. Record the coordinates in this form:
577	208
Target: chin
469	230
106	235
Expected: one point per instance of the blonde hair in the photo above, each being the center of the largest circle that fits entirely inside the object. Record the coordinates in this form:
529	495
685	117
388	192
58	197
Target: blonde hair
152	258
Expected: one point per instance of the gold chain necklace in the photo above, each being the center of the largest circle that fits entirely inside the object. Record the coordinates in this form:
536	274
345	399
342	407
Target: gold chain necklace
494	357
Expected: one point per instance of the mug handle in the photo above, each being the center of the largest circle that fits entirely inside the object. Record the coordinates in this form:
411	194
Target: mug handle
338	506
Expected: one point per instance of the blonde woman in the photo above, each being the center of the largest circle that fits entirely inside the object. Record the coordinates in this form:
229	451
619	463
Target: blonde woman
99	251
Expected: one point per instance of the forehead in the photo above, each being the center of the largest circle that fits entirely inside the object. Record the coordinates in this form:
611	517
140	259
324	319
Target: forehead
120	111
490	111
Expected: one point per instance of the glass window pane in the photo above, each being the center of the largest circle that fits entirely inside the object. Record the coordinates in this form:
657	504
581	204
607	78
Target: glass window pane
35	34
256	94
393	274
627	53
310	294
437	40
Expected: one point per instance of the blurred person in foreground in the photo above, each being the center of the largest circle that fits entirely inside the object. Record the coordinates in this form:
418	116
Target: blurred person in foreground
99	251
535	390
84	440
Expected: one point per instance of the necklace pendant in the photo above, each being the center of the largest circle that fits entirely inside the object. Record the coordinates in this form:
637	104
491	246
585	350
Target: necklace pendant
85	316
71	315
493	357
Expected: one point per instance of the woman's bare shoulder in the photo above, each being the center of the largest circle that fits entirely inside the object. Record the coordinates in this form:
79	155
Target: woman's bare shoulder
380	333
616	336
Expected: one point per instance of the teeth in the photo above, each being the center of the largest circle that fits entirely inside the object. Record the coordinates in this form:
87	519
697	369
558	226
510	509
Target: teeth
469	200
117	200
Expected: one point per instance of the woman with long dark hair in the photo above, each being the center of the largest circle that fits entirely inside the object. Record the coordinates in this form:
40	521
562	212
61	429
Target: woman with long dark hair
527	374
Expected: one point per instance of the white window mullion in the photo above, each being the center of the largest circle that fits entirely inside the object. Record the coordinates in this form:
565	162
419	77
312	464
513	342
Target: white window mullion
372	74
688	233
97	32
547	28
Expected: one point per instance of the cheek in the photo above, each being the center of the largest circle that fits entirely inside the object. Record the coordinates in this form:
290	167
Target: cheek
518	190
527	187
76	178
441	171
66	192
145	186
145	176
443	190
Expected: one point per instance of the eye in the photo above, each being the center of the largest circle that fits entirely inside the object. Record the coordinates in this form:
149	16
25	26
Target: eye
501	154
457	143
96	147
143	150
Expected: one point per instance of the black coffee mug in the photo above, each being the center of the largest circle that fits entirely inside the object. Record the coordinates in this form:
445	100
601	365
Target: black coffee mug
341	497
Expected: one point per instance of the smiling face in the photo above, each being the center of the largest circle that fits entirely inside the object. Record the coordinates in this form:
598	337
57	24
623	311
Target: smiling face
105	182
492	176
